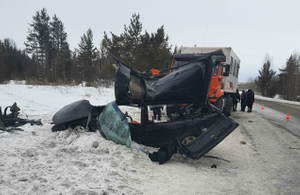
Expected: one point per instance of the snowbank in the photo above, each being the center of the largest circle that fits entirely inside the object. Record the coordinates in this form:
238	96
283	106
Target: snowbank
277	99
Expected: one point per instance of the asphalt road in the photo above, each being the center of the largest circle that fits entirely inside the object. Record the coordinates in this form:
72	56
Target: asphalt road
276	112
274	147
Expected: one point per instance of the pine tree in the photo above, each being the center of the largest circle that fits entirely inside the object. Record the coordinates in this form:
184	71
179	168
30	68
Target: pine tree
14	63
288	78
88	57
4	67
131	40
60	52
160	48
140	51
38	41
264	81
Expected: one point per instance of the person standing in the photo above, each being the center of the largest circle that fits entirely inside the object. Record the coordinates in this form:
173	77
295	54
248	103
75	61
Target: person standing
250	100
156	111
243	101
236	99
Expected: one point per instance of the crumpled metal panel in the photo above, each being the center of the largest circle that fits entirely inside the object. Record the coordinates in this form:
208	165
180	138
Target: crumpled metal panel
185	84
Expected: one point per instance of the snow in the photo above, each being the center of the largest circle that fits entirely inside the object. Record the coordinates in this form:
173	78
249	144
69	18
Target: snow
277	99
39	161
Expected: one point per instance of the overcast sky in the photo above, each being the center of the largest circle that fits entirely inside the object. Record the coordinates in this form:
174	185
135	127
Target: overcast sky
252	28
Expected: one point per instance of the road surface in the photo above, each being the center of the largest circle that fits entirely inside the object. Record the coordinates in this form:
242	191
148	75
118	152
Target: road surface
274	145
277	111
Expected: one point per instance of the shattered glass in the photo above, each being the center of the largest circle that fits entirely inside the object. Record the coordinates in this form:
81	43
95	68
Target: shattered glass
114	125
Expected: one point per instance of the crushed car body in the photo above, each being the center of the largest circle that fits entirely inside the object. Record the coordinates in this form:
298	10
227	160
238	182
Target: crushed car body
79	113
193	128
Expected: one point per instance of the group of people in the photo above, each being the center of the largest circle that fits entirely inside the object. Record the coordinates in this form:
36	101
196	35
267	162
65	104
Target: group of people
246	99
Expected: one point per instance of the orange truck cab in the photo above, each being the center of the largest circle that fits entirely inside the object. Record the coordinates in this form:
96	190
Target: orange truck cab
216	86
224	77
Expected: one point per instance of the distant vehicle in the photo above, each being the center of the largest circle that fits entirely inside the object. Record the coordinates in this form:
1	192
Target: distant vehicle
225	74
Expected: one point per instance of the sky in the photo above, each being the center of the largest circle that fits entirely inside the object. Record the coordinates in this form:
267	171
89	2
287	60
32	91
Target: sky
253	29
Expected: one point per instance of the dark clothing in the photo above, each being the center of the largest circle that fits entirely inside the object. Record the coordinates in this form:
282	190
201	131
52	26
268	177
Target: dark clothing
156	111
250	100
243	101
236	99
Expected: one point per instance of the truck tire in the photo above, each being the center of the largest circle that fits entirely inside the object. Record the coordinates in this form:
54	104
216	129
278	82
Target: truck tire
225	103
228	105
220	103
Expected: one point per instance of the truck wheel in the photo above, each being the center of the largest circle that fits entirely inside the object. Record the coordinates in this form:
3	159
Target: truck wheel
220	103
228	106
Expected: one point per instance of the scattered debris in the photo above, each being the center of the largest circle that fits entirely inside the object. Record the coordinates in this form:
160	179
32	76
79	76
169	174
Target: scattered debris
217	158
10	122
242	142
8	129
294	148
95	144
33	133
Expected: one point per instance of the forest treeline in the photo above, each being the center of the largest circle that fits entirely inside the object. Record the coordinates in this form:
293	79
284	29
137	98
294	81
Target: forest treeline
48	58
286	82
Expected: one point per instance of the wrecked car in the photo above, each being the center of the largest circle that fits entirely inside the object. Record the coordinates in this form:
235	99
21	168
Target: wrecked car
195	125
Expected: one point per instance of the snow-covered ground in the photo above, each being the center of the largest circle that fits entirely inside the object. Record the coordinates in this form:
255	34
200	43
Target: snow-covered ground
277	99
39	161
